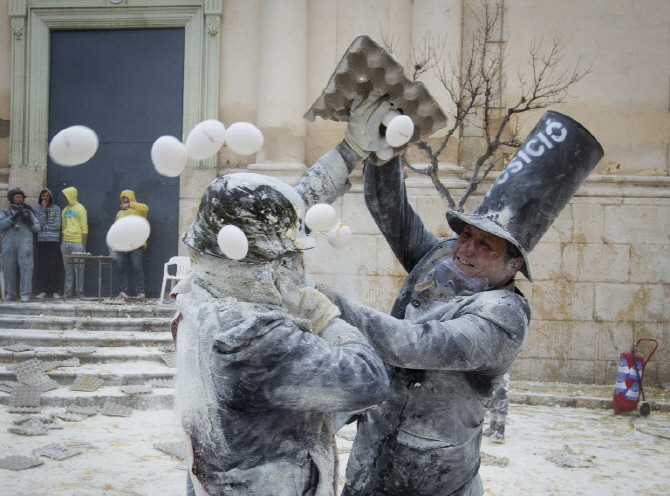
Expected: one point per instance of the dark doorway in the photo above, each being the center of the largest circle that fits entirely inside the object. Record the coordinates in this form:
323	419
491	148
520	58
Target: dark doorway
126	85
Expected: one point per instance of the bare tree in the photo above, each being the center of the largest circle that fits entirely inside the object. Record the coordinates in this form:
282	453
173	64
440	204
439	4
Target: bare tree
474	81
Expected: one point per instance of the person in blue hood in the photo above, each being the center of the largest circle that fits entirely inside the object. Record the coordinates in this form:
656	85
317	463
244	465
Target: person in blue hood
18	223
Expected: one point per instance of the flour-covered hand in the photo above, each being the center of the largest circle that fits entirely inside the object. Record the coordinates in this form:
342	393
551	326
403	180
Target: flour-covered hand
363	132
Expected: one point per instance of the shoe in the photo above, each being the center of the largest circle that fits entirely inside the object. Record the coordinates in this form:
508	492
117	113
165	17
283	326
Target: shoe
57	296
25	299
123	296
140	297
490	430
41	296
498	437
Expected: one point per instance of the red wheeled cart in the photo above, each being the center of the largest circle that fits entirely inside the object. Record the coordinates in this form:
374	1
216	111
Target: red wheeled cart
629	380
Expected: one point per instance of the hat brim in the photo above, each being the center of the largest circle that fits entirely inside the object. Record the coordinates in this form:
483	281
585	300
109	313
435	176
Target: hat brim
457	221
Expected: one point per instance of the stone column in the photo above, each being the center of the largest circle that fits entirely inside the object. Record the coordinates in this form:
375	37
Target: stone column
282	87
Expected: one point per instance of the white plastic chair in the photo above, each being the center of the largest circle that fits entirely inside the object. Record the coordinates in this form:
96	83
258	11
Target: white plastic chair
183	269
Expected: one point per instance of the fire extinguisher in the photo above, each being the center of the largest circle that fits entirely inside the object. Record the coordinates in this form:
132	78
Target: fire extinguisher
629	380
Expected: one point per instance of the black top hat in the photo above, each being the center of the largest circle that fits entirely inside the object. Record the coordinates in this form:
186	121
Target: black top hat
535	186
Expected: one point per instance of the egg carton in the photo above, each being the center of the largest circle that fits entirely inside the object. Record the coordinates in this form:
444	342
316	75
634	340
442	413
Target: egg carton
25	396
8	386
174	448
170	359
82	410
161	383
113	409
367	67
136	389
19	347
31	428
23	409
57	451
82	350
19	462
86	382
70	417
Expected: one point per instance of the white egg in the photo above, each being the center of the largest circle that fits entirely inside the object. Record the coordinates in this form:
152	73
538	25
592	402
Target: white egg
244	138
168	155
73	146
320	217
128	233
390	115
385	153
339	236
233	242
399	131
205	139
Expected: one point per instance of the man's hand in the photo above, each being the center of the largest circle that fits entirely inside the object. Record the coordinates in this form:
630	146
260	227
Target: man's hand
365	118
18	211
44	204
27	218
310	305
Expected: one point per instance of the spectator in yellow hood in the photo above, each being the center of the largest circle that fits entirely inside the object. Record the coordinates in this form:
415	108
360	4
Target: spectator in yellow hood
131	261
74	236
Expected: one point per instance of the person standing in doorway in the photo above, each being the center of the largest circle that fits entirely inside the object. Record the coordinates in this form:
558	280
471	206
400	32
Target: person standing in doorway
49	266
127	260
18	223
73	240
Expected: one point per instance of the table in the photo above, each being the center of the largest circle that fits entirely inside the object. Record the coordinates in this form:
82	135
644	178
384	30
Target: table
103	260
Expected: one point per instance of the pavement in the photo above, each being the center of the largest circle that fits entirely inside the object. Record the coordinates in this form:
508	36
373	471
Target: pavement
554	446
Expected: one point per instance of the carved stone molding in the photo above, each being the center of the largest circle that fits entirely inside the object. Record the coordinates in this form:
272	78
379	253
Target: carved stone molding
18	26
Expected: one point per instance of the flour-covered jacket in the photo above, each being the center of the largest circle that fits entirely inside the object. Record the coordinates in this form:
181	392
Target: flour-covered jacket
255	390
444	355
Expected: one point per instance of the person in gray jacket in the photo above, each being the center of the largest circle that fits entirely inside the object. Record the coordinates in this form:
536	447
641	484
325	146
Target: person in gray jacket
18	223
262	357
459	321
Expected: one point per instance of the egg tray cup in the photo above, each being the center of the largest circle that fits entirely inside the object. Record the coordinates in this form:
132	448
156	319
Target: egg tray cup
367	67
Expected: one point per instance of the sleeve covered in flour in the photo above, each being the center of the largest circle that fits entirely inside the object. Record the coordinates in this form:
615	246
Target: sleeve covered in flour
280	366
485	335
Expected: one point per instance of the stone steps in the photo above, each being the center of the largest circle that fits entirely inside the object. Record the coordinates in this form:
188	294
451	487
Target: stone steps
87	308
132	346
146	324
49	338
101	355
113	373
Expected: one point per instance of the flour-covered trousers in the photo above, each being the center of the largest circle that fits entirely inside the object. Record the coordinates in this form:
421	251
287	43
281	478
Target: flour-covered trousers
74	271
499	403
17	254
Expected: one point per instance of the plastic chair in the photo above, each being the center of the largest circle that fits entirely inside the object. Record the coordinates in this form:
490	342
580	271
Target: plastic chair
183	269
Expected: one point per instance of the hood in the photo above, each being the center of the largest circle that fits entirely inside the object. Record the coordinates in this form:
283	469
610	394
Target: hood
51	196
12	192
71	194
128	193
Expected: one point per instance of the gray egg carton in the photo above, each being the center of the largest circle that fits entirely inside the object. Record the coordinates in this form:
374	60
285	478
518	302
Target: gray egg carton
173	448
113	409
86	382
19	462
57	451
367	67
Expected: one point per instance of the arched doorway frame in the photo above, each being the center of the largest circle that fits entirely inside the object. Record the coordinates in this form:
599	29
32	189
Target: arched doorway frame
32	22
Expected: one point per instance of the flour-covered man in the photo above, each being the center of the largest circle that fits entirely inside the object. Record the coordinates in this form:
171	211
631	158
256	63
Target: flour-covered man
263	358
459	321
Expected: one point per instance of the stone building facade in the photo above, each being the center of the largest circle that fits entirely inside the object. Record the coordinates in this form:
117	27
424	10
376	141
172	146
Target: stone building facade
602	273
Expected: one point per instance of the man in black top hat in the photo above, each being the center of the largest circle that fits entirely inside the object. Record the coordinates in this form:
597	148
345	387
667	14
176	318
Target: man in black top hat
459	321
